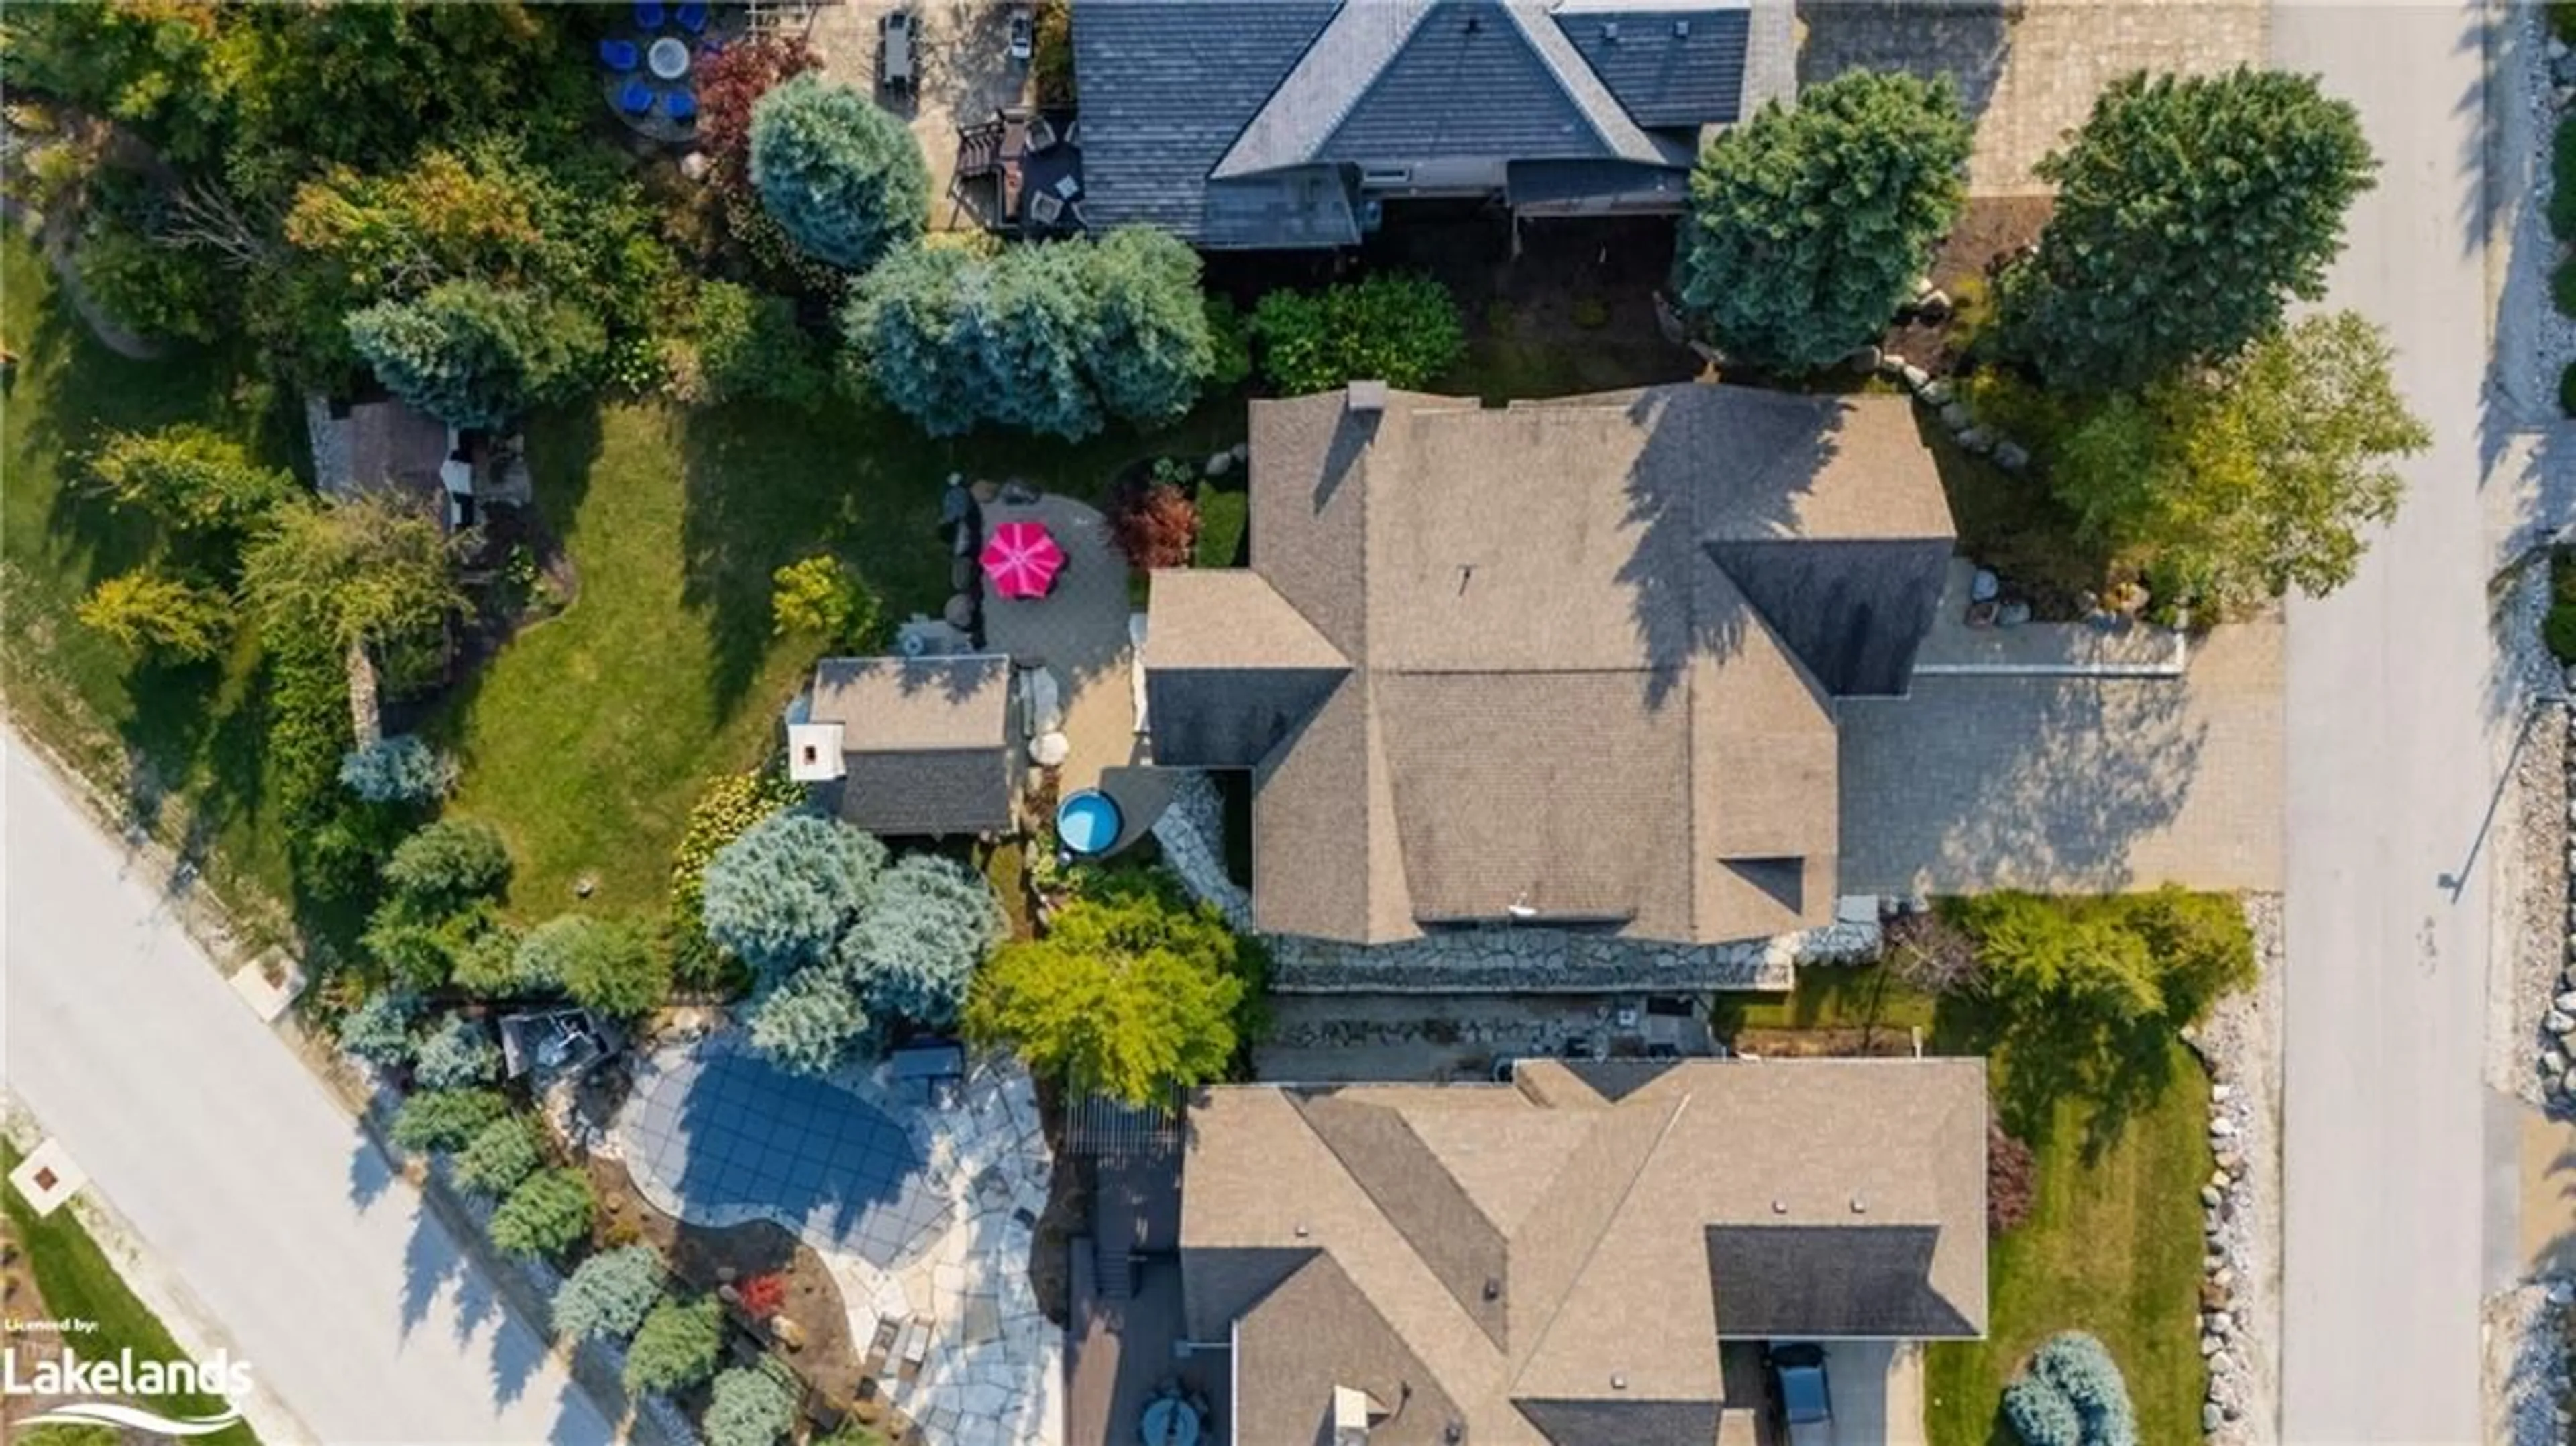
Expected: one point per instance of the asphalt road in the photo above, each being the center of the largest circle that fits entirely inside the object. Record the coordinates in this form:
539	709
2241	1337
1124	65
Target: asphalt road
2389	779
239	1172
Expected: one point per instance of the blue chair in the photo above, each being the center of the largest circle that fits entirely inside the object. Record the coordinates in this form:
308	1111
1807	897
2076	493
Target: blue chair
680	105
618	55
692	16
648	14
635	97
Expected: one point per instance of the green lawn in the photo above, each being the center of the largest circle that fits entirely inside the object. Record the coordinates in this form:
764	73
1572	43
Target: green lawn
192	734
2113	1248
588	737
76	1279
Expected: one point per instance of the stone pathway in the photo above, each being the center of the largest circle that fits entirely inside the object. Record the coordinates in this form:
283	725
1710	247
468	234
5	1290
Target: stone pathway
936	1253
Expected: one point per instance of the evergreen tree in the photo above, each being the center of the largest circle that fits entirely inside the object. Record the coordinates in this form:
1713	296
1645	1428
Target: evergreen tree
844	179
914	950
780	895
678	1345
2190	212
811	1023
608	1294
548	1214
505	1153
1807	227
477	355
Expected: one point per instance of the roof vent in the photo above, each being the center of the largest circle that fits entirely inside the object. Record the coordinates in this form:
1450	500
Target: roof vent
1610	31
1618	1382
1681	29
1779	1207
1369	396
1860	1205
1493	1288
1302	1232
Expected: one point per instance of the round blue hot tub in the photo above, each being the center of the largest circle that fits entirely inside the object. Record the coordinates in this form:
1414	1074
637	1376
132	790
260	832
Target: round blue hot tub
1087	822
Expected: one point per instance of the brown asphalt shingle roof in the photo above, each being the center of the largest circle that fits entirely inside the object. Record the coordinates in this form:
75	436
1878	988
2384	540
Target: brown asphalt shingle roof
1557	1259
925	742
1488	658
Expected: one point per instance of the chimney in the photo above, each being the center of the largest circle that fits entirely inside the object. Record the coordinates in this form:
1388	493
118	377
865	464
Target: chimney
1350	1417
814	752
1368	396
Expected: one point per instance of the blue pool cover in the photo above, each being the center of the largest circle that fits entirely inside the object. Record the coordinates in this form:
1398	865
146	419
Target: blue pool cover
1087	822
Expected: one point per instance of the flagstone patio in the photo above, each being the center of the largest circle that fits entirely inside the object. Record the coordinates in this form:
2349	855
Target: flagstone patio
922	1208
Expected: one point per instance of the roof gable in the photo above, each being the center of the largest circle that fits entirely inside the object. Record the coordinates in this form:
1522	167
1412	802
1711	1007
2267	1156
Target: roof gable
1830	1280
1468	84
1668	65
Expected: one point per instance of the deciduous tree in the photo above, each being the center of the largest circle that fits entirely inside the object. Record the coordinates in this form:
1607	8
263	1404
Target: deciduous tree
2256	478
371	570
843	177
2190	212
1807	227
189	478
1133	991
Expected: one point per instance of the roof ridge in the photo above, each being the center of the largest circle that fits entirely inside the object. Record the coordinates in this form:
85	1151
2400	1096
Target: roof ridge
1627	1191
1583	85
1370	33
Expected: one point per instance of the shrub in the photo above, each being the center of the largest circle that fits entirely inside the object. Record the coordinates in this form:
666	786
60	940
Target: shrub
189	478
780	895
2562	169
1155	524
729	84
844	179
2567	390
2562	20
397	769
548	1214
446	1119
2071	1394
448	865
678	1345
751	1406
2558	629
763	1296
727	808
426	949
1927	952
456	1054
1808	227
1051	53
1229	344
811	1023
379	1030
825	597
1224	513
2562	286
917	946
1401	330
745	344
2012	1183
145	612
485	963
505	1153
608	1294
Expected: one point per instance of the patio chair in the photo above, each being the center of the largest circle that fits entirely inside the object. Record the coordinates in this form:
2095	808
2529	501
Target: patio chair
635	97
692	17
648	14
681	105
618	55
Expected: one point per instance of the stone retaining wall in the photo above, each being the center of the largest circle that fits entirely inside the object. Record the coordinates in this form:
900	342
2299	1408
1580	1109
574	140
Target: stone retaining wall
1555	961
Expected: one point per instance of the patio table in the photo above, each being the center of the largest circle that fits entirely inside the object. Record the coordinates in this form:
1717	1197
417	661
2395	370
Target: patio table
668	58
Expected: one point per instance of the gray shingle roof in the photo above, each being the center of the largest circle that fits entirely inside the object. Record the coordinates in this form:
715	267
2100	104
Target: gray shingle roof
1668	69
1509	1250
925	742
1594	684
1236	122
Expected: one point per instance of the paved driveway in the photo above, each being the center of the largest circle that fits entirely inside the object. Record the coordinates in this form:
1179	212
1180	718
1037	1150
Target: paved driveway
2071	784
239	1172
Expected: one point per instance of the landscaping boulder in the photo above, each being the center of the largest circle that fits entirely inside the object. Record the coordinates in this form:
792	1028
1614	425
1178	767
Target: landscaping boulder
2011	456
1955	417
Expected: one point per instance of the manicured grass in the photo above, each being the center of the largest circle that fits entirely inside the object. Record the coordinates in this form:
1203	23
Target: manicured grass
588	737
76	1280
191	735
2113	1248
1832	997
1225	513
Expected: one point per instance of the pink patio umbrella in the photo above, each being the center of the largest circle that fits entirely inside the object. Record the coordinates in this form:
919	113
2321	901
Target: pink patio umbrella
1022	559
